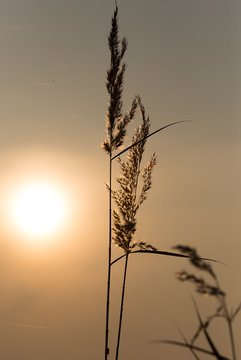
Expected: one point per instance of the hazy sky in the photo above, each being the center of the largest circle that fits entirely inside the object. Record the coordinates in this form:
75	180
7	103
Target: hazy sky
184	60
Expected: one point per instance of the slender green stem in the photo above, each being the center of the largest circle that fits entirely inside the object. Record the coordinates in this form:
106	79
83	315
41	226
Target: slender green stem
109	267
121	308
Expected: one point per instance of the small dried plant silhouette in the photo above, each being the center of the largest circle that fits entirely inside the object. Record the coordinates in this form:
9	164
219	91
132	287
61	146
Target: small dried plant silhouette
214	290
128	198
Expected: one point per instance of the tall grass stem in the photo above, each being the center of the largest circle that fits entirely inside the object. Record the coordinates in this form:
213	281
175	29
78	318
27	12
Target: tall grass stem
229	322
232	338
109	264
121	308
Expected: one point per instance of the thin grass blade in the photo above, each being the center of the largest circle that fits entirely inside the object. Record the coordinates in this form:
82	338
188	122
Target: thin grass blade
194	347
209	340
157	252
236	311
154	132
187	343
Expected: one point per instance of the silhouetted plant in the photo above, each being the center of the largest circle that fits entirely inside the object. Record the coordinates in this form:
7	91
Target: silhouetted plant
127	199
213	289
122	220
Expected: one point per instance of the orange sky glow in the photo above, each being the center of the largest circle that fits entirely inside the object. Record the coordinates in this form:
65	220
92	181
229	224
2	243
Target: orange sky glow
184	59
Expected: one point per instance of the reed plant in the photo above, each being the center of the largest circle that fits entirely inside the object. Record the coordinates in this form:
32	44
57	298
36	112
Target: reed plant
210	287
135	180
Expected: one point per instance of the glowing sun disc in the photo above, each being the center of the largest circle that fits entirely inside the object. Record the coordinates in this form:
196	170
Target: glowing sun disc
39	209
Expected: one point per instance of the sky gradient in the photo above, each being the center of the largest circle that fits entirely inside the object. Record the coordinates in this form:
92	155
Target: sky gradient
184	60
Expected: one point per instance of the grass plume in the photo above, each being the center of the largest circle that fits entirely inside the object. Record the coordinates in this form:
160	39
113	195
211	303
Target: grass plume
210	288
126	197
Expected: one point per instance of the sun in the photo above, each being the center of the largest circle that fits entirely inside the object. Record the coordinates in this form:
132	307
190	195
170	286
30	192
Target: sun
39	209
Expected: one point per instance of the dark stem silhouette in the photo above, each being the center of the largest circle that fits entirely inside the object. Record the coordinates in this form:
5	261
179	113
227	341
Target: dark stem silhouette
109	265
121	307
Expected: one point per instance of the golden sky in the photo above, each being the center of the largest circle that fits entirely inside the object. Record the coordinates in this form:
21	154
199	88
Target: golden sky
184	60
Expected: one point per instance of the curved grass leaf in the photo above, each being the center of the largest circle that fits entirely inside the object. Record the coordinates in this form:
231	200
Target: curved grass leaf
154	132
157	252
193	347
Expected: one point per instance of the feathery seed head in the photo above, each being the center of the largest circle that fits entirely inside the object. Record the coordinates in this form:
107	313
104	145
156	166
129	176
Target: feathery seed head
115	122
126	197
